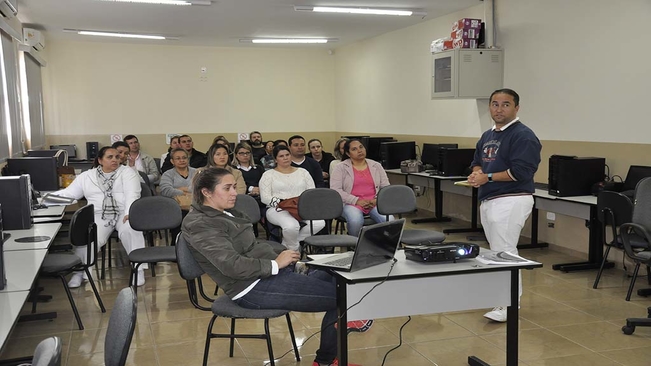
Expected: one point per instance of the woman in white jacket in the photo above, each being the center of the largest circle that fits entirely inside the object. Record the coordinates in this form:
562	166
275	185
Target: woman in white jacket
111	188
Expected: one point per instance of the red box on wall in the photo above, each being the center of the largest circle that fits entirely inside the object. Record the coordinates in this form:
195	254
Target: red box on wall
466	23
447	45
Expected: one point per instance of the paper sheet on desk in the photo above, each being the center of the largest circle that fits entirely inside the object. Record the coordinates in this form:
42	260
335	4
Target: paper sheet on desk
54	200
501	258
463	183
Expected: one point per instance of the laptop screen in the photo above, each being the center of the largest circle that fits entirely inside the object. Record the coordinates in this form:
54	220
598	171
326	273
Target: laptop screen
635	174
378	243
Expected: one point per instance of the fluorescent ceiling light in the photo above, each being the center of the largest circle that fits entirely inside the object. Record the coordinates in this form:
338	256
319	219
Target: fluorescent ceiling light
349	10
164	2
116	34
287	40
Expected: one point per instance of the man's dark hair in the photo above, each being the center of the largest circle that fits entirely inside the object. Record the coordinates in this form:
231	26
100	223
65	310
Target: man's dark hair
129	137
294	138
258	132
120	143
279	141
511	92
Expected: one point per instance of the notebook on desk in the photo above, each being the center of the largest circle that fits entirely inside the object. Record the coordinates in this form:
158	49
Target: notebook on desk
376	244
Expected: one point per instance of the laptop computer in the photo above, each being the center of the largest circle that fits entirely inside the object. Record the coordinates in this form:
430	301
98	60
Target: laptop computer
376	244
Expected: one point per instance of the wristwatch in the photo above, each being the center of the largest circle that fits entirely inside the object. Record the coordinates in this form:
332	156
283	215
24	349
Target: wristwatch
490	177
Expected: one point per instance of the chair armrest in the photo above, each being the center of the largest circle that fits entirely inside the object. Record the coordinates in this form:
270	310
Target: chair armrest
629	229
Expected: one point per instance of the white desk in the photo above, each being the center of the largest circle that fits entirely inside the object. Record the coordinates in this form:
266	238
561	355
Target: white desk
424	288
11	303
433	181
21	267
45	229
583	207
52	211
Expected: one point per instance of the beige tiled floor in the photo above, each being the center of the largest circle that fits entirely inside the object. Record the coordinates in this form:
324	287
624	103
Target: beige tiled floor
563	322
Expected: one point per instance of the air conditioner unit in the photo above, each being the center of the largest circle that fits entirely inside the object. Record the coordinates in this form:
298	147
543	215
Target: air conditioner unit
8	8
33	38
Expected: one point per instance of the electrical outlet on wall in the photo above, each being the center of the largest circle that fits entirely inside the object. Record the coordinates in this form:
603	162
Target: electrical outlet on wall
418	191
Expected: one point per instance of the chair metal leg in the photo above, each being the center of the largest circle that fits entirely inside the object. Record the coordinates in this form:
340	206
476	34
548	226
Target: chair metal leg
601	269
291	334
208	337
230	349
72	302
268	338
92	285
108	249
103	273
630	287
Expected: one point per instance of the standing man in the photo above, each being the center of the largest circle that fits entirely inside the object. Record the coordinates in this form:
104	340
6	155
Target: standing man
197	158
506	159
299	160
141	161
257	146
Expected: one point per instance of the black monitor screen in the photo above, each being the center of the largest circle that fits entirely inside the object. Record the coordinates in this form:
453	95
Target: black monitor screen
431	155
42	171
395	152
635	174
373	147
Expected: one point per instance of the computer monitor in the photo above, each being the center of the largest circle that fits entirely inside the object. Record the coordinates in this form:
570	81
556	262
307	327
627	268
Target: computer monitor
373	147
395	152
42	171
362	139
431	154
61	161
71	149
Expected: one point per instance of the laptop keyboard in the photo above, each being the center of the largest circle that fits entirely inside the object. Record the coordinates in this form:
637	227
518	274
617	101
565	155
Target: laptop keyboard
341	262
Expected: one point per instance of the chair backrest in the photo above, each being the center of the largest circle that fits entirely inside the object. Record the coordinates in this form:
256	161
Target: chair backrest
395	200
642	208
614	208
120	328
320	204
189	269
155	213
157	161
48	352
635	174
249	206
145	191
144	177
83	231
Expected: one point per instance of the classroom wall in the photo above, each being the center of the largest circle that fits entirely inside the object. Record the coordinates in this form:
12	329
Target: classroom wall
100	88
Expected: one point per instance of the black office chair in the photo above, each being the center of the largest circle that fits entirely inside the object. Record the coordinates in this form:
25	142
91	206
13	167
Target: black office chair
249	206
399	200
148	214
83	232
122	324
636	234
323	204
640	226
614	209
48	352
224	307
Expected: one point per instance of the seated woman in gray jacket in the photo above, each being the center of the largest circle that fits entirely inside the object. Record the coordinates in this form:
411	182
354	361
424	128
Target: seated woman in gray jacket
221	239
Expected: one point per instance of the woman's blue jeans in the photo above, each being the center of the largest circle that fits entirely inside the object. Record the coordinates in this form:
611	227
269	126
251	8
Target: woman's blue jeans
311	293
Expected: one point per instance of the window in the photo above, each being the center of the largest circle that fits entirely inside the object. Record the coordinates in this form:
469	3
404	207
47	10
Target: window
10	114
32	101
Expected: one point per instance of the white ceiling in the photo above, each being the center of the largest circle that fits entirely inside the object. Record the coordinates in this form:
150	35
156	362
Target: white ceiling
225	21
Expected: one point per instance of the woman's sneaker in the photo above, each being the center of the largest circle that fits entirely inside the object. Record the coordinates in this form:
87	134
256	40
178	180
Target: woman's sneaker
498	314
360	326
76	279
334	363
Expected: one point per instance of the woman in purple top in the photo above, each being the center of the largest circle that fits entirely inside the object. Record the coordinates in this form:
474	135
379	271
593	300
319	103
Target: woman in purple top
358	180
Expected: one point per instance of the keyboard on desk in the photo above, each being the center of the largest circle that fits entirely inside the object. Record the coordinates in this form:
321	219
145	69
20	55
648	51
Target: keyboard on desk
341	262
433	172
